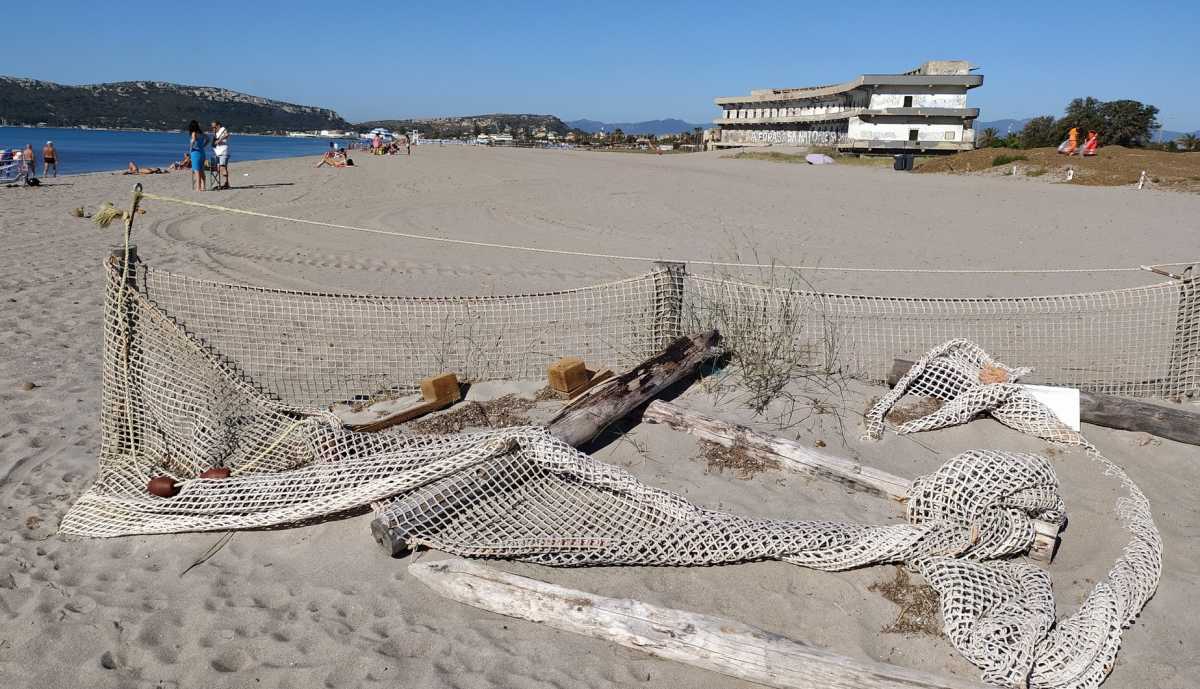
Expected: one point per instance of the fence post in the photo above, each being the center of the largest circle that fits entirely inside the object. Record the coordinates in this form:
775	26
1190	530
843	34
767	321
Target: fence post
118	258
1184	371
668	302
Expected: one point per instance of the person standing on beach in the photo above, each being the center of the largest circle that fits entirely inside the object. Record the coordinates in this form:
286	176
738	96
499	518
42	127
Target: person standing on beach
221	151
197	142
30	162
49	159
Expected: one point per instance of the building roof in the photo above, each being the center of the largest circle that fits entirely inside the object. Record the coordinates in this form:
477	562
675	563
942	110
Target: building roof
929	74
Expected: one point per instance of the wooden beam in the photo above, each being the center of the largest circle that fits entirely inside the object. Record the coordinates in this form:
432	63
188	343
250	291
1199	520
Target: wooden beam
713	643
1116	412
794	455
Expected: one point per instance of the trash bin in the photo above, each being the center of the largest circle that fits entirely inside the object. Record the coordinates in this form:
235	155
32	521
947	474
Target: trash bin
898	162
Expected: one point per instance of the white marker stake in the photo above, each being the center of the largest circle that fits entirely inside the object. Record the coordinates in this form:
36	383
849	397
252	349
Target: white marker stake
1142	180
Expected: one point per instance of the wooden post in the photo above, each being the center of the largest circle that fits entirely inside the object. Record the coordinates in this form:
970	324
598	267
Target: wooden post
716	644
1184	371
668	301
117	256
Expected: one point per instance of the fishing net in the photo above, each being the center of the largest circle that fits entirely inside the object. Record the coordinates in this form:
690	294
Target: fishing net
199	375
1010	605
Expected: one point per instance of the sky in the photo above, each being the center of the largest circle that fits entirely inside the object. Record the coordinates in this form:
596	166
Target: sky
614	61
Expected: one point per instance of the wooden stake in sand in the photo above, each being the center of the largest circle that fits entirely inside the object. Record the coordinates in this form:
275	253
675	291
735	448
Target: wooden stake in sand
713	643
804	459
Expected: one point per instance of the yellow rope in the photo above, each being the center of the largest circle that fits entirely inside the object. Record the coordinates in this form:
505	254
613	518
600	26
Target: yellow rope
619	257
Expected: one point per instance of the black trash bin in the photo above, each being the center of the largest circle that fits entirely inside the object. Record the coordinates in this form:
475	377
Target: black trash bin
898	162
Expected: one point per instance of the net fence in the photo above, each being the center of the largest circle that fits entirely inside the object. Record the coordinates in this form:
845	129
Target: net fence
1142	342
200	376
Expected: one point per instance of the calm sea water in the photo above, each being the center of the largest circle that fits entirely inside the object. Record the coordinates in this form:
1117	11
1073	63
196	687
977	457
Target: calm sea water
89	150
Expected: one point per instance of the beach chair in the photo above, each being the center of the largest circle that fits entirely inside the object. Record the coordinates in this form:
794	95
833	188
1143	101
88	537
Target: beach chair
214	173
11	170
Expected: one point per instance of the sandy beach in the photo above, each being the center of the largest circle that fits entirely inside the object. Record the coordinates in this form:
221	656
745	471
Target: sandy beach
321	606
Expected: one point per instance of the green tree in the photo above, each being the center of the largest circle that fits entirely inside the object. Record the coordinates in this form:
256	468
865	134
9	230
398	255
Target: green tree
1128	123
1084	114
1039	132
987	138
1119	122
1189	142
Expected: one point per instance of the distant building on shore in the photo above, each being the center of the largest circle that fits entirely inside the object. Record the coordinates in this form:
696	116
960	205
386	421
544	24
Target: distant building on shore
924	110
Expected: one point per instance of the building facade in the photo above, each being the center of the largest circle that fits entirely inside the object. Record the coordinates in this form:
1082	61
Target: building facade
924	110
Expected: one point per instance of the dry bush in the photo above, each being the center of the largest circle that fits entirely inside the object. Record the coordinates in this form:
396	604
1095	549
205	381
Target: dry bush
780	342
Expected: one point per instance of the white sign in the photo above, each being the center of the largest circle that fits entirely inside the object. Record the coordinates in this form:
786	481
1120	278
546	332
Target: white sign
1064	402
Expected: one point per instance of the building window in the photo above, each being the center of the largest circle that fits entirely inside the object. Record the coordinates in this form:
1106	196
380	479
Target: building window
912	135
908	101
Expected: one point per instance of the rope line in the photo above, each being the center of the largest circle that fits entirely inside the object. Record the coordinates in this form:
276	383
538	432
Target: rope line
621	257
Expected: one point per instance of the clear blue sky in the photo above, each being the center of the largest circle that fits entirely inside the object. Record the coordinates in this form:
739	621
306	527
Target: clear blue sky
613	61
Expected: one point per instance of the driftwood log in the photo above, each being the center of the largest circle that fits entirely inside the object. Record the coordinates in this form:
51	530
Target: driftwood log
585	417
713	643
590	413
798	457
1111	411
792	454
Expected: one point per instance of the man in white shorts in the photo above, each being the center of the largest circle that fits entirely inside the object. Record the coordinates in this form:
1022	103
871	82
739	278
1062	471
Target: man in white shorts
221	151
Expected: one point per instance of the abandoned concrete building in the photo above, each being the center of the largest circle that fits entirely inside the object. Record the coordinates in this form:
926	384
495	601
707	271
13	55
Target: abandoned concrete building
924	110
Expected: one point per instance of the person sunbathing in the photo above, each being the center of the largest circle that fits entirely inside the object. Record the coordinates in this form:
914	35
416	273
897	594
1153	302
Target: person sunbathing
333	158
133	169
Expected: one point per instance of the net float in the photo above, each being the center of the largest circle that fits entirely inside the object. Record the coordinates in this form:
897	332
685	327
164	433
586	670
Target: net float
163	486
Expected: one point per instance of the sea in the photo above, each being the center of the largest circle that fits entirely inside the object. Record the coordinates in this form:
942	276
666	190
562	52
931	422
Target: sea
99	150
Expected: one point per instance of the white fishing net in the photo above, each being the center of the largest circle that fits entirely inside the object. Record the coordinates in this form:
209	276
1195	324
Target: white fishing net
201	375
1010	605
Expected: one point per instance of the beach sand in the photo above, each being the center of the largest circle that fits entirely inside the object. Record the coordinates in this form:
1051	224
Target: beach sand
321	606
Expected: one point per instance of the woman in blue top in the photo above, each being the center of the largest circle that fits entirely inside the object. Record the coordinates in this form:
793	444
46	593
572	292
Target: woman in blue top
199	141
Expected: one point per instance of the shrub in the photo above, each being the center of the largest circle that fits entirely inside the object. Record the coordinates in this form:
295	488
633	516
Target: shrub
1004	159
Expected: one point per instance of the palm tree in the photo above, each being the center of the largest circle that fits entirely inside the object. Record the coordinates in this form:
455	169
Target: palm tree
1189	142
987	137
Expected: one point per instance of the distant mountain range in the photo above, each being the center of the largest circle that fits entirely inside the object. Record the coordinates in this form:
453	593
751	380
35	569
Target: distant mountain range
655	127
153	105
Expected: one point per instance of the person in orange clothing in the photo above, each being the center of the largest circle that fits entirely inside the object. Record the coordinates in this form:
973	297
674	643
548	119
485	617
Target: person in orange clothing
1072	143
1089	146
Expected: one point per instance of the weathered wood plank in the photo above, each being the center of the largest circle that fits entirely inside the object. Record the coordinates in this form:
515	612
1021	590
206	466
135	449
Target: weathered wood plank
713	643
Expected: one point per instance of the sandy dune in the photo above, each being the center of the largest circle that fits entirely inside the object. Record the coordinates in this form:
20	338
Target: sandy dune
319	606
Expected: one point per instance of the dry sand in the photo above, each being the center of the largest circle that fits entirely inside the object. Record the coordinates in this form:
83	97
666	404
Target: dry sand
320	606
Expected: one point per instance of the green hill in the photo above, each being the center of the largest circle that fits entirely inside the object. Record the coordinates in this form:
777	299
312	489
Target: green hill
153	105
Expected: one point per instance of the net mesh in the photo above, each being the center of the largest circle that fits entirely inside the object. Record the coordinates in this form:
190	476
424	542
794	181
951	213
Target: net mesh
1141	342
200	375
